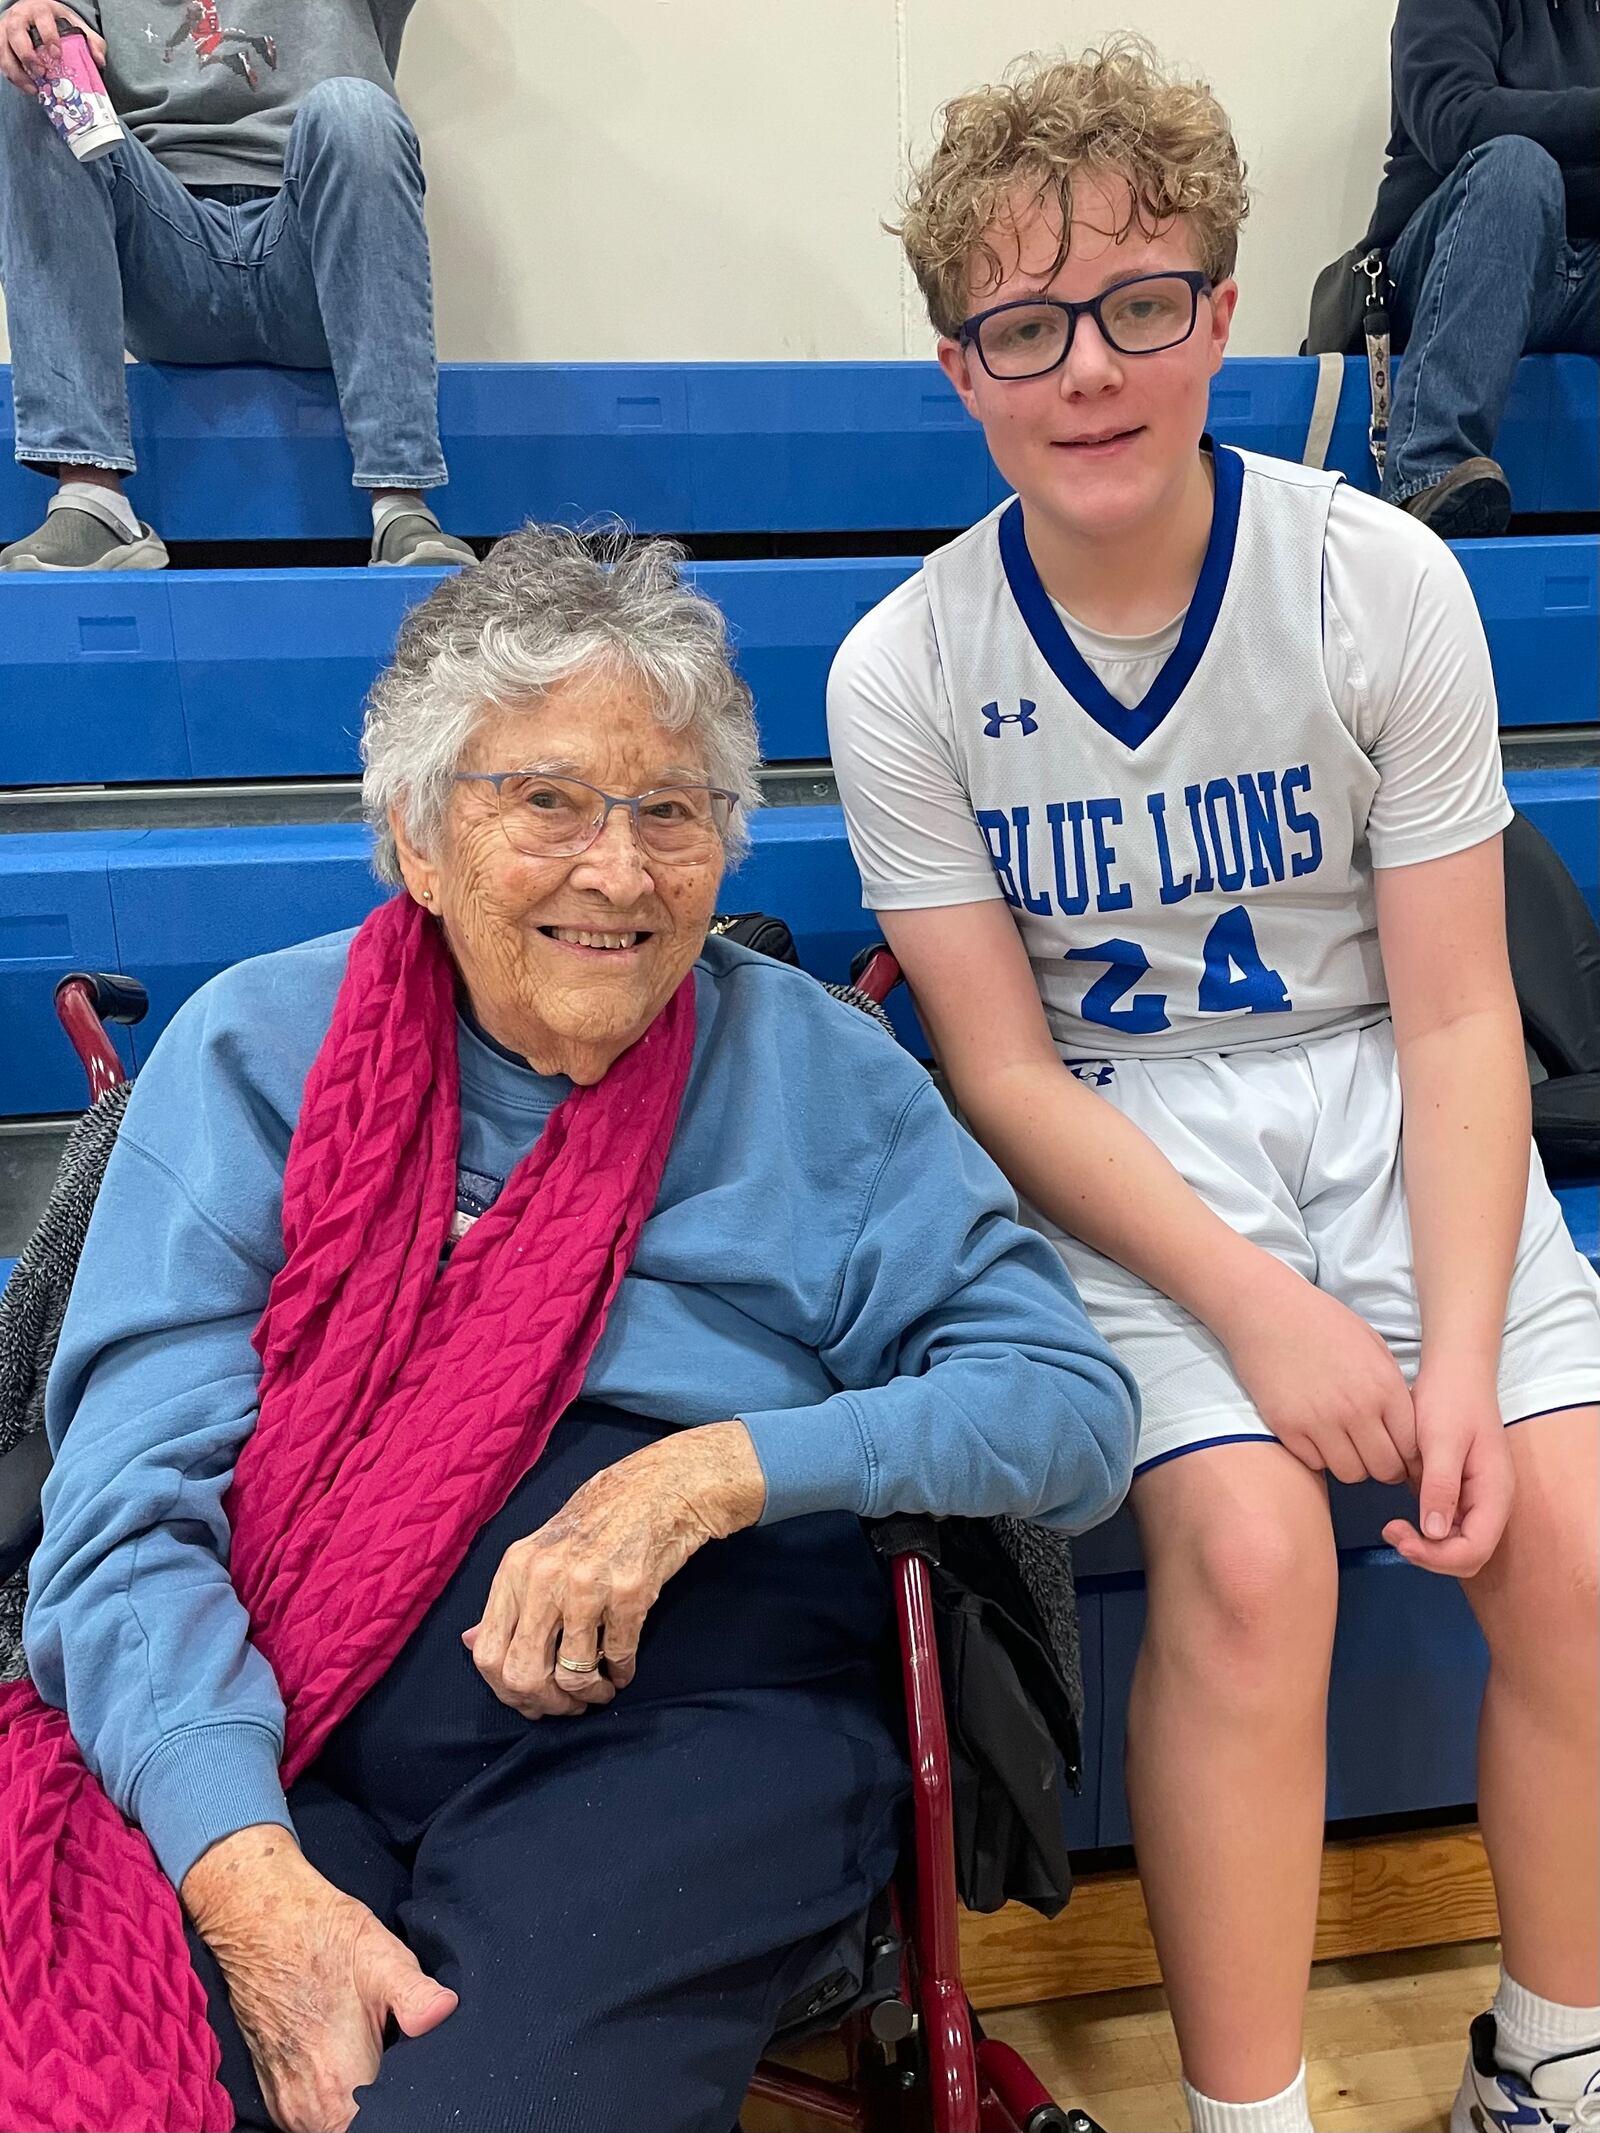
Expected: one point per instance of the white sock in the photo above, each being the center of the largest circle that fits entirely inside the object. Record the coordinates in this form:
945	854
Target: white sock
1528	2029
1287	2112
109	505
385	508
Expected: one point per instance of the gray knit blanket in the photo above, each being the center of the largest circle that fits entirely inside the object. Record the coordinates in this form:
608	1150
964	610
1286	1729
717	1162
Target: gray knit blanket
1043	1560
33	1306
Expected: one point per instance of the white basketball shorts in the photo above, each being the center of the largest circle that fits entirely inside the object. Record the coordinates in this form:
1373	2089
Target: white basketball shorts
1298	1149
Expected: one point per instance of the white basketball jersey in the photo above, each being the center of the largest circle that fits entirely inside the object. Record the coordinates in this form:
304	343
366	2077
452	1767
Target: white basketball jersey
1190	874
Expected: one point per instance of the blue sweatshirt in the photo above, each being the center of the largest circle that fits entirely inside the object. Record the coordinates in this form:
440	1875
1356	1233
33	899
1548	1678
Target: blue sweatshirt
1463	72
830	1257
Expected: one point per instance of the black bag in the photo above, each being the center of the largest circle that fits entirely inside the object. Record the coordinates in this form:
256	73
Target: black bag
755	929
1352	307
1009	1711
1555	966
1343	294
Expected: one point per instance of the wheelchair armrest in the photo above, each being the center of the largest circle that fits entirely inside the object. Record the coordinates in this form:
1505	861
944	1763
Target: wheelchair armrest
22	1475
113	996
905	1533
874	971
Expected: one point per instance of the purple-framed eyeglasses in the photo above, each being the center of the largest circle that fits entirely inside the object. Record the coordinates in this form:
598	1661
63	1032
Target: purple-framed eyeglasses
551	817
1032	335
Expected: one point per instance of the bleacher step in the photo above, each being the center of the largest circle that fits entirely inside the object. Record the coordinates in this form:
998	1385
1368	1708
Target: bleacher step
691	448
177	905
261	674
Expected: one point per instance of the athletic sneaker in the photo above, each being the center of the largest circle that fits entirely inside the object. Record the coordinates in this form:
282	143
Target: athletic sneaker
1492	2099
75	537
1472	500
415	539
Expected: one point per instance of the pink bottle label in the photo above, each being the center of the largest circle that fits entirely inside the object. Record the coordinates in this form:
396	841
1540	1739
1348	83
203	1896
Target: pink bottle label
75	98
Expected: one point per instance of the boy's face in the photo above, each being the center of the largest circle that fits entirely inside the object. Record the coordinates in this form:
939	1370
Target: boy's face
1106	440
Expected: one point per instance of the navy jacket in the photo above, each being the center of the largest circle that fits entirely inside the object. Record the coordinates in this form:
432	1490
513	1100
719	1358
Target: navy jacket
1466	71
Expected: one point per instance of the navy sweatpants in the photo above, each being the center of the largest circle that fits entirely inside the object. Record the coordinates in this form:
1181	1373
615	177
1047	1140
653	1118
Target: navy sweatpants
624	1901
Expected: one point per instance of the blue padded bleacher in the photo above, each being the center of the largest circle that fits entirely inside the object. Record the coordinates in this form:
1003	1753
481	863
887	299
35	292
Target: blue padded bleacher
175	906
1580	1205
251	454
55	916
1540	604
261	673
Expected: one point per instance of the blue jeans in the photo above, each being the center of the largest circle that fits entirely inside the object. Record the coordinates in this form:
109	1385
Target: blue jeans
331	271
1484	275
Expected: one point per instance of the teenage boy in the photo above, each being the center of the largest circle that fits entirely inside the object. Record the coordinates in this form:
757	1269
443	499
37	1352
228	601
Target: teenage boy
1175	785
265	207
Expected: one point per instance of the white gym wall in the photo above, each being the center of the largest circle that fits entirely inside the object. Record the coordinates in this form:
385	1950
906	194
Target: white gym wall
636	180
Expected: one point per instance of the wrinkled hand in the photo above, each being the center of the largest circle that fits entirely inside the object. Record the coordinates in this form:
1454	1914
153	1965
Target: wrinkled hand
313	1976
579	1589
1323	1382
1462	1473
20	58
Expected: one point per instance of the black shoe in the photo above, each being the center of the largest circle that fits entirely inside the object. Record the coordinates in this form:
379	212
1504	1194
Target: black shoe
1473	501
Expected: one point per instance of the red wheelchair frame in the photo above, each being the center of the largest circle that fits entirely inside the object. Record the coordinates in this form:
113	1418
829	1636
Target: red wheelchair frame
918	2061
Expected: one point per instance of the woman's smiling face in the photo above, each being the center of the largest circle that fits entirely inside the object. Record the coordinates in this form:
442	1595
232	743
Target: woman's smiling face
569	960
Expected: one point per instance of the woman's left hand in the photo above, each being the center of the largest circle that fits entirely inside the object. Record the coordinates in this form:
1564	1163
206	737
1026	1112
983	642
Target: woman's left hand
562	1624
1462	1474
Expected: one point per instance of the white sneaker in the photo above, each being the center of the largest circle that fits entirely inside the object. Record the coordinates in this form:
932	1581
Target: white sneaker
1492	2099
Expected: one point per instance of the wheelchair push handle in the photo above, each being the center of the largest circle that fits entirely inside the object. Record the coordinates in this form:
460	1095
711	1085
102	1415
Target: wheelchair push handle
86	1000
875	972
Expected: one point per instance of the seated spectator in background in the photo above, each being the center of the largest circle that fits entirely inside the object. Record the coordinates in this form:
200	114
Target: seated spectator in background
296	1460
1489	211
266	207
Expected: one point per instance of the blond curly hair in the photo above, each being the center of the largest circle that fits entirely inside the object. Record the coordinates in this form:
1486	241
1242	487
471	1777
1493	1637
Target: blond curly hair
1115	110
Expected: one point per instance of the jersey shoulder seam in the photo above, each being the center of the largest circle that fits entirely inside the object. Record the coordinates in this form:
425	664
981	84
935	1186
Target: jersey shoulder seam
1291	473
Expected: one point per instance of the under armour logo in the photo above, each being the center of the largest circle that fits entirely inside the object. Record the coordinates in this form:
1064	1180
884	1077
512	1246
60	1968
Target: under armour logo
994	718
1096	1073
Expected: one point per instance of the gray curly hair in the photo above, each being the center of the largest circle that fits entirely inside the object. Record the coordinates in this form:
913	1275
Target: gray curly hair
545	605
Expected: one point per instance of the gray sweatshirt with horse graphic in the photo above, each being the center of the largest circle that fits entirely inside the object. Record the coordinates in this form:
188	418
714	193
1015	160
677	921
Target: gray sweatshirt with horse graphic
211	86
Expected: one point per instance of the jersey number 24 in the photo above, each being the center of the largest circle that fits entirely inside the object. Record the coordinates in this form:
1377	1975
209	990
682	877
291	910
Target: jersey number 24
1234	980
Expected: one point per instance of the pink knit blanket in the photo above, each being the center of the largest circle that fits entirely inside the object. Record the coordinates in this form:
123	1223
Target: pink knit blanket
399	1407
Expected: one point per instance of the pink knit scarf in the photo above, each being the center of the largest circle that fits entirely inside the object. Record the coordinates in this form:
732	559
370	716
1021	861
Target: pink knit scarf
399	1407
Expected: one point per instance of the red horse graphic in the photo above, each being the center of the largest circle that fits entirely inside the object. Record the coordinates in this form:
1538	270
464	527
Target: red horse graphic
202	26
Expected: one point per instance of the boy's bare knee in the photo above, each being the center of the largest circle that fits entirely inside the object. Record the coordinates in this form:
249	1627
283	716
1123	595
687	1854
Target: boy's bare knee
1249	1608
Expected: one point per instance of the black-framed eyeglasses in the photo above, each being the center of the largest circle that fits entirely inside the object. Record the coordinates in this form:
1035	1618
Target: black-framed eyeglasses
1032	335
557	818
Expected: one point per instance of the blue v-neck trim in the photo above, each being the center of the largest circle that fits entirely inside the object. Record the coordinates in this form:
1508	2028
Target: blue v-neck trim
1131	724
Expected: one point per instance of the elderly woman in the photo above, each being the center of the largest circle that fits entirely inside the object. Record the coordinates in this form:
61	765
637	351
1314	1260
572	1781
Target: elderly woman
491	1332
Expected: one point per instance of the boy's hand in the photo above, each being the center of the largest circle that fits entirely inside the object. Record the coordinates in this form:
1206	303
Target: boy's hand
1462	1473
1323	1382
20	58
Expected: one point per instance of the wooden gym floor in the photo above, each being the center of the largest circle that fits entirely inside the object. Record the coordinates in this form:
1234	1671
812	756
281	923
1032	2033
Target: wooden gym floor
1386	2036
1407	1958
